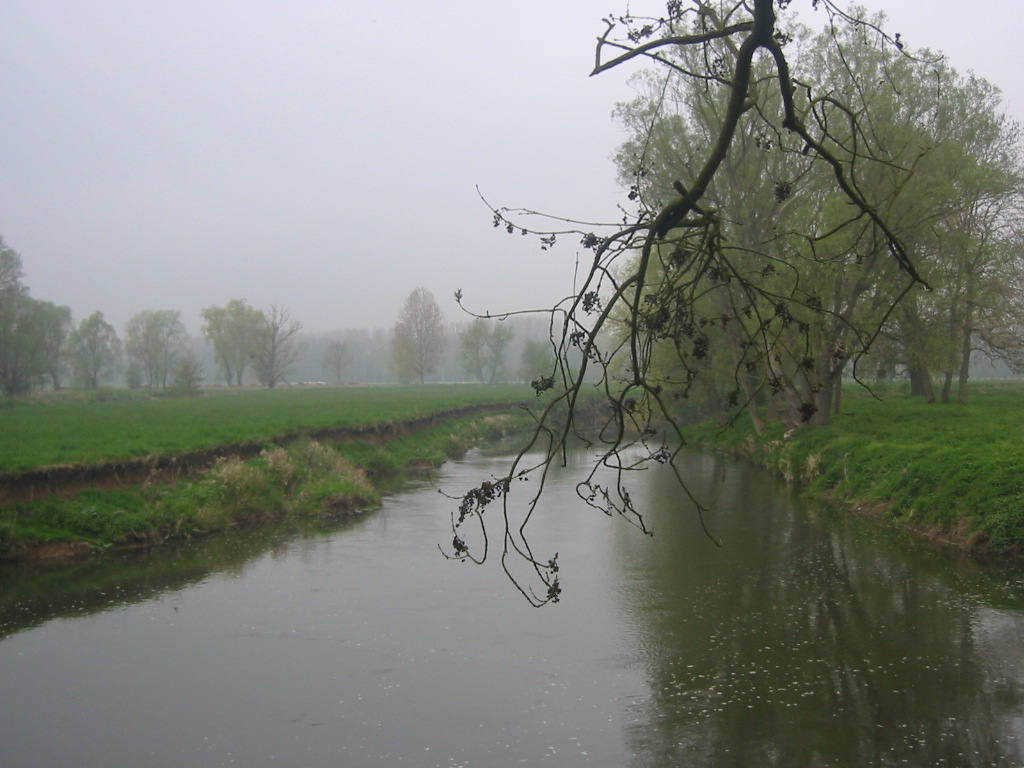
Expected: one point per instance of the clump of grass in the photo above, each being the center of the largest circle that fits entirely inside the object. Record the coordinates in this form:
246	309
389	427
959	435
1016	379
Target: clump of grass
307	478
333	485
303	479
240	490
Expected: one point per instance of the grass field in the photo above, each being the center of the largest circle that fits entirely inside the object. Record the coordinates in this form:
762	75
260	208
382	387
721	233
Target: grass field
299	479
951	468
948	469
61	430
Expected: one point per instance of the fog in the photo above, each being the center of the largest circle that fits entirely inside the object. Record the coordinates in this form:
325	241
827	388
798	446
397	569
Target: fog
326	156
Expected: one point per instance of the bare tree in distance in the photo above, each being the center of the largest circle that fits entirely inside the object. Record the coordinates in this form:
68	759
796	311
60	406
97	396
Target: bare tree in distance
650	274
276	350
336	358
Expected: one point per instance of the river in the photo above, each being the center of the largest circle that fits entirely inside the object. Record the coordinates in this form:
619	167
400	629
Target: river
797	637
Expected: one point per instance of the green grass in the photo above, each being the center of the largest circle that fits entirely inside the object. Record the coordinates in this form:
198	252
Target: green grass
956	468
305	479
55	430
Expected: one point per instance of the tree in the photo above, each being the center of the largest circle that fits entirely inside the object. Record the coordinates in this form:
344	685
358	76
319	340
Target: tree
676	269
95	352
972	245
187	374
10	268
832	296
153	339
417	343
536	361
55	326
22	331
234	330
482	349
32	341
17	358
275	351
336	357
32	332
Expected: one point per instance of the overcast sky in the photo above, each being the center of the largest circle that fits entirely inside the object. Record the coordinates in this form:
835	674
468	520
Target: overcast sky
325	156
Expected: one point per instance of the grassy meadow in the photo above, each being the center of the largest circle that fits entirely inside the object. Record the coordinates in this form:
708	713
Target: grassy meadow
299	478
954	472
55	430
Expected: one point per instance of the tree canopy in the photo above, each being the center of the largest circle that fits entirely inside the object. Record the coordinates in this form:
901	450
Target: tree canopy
482	349
153	340
418	340
33	333
95	351
234	331
792	201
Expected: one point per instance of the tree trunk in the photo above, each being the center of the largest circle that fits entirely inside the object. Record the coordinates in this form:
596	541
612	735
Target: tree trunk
965	369
823	399
947	386
921	383
752	409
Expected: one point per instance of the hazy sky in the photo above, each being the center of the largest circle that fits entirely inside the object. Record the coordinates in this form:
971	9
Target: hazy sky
324	156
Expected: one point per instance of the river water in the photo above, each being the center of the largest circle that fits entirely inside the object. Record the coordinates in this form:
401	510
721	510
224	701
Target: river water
801	638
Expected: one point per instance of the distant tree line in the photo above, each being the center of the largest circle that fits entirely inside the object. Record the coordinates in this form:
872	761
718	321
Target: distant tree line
42	348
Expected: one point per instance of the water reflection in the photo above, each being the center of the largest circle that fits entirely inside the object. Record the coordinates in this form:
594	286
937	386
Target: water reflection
33	593
805	639
803	642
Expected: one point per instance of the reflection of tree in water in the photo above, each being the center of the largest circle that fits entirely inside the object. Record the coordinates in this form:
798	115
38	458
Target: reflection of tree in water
800	644
34	593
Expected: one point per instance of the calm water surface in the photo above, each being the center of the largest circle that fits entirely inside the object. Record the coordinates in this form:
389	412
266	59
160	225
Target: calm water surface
804	639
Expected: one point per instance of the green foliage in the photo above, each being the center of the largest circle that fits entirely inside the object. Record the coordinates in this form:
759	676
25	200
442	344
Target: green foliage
32	336
233	330
187	374
956	469
95	352
153	339
482	349
536	360
97	517
757	282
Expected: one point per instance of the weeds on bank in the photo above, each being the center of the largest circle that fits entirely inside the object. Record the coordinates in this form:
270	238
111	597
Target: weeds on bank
304	479
933	467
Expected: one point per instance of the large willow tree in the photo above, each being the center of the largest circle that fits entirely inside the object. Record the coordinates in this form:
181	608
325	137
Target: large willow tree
762	252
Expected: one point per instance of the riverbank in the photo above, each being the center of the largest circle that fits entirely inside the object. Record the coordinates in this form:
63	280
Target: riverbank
951	473
75	429
330	472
